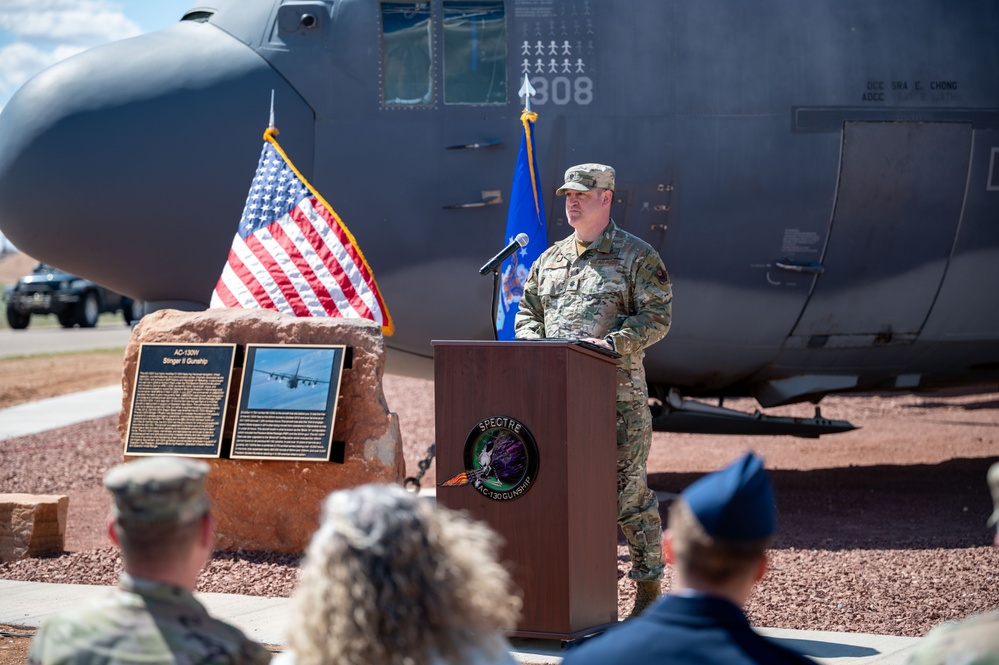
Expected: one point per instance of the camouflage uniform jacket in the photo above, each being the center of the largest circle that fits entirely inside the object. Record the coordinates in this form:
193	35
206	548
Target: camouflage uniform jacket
142	622
973	640
617	290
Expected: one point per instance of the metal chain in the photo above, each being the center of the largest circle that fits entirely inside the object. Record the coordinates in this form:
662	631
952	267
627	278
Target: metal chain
413	484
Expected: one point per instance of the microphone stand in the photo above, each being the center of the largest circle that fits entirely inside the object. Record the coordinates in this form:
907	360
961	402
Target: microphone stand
497	265
494	301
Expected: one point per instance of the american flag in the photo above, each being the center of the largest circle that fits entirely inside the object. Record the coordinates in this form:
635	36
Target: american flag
293	254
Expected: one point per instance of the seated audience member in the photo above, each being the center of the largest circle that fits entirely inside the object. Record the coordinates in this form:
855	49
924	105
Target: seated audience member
974	641
162	523
388	578
719	531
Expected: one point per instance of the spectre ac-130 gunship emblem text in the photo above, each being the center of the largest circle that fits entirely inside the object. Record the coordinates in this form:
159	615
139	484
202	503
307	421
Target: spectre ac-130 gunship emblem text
501	459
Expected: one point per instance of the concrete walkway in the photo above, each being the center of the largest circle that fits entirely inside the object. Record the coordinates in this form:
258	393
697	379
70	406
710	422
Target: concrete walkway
55	412
265	619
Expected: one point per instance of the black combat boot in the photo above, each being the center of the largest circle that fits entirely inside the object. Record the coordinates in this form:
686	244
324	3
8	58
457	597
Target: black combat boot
646	593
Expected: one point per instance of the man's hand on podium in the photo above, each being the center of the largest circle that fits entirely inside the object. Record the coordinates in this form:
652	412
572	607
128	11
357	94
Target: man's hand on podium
603	343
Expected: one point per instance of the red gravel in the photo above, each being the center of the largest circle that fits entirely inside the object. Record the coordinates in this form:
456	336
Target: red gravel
882	530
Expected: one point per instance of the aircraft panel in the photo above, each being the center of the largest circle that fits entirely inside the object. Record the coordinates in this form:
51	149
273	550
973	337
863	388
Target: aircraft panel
301	25
745	222
968	304
901	191
642	149
249	22
418	184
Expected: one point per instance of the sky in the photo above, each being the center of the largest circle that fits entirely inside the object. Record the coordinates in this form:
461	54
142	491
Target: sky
35	34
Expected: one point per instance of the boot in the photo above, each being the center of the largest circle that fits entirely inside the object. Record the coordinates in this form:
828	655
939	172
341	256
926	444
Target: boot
646	593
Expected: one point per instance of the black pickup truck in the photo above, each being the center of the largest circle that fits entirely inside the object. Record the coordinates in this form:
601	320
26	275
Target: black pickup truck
75	301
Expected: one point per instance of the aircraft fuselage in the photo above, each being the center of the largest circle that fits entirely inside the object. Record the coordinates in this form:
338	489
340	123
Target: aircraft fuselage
821	178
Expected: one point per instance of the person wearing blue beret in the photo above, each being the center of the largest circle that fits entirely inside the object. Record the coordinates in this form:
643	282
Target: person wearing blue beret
719	531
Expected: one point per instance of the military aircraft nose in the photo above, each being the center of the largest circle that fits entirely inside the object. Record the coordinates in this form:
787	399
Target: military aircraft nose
129	163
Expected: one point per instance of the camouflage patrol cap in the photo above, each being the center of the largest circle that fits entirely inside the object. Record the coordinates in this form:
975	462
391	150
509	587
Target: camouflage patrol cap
993	478
158	489
584	177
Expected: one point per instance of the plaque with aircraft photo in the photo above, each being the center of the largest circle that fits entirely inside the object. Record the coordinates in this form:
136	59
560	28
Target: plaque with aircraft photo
287	402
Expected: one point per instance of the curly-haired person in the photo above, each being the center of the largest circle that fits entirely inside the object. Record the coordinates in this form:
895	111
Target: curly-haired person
388	578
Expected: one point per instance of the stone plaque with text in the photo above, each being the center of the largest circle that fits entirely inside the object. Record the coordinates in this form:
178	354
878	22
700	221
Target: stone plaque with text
287	402
179	401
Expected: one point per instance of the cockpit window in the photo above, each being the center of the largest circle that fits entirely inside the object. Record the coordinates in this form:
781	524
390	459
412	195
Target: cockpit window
473	45
198	16
474	52
407	64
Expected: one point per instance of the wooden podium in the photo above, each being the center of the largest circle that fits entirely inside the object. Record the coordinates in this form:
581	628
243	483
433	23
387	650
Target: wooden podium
557	508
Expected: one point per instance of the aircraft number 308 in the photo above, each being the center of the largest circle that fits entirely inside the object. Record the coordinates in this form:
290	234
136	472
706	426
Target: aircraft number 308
561	90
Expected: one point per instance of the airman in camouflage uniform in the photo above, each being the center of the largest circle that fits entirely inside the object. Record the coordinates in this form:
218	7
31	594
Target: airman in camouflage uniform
609	287
161	520
976	639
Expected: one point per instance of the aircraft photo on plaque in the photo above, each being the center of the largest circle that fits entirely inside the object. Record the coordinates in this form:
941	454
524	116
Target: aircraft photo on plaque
279	382
287	402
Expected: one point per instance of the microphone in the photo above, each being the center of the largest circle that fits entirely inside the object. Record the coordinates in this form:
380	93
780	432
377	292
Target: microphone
520	241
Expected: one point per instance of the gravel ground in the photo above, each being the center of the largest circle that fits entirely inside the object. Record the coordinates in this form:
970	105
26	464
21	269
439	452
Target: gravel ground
882	530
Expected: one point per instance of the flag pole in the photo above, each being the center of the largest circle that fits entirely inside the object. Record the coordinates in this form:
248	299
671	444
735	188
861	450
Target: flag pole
270	125
525	214
527	91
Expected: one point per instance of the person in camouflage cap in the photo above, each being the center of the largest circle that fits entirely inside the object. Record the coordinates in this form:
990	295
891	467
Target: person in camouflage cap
976	639
608	287
161	520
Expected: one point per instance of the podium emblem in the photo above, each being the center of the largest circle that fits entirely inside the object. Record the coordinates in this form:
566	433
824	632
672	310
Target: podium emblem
501	459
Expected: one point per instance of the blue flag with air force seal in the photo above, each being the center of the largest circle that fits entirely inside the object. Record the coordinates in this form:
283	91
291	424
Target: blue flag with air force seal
526	215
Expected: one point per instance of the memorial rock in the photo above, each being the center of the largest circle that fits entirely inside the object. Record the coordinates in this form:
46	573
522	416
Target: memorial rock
32	525
274	505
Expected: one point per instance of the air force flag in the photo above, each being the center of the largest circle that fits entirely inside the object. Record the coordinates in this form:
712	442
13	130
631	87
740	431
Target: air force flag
526	215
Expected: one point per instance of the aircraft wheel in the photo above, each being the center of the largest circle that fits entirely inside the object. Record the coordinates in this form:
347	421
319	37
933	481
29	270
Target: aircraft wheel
87	310
128	311
16	319
67	319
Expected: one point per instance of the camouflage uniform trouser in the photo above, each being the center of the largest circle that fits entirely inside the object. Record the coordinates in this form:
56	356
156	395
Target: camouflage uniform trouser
637	505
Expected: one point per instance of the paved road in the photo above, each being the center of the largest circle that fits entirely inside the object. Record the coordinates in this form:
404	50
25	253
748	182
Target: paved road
62	340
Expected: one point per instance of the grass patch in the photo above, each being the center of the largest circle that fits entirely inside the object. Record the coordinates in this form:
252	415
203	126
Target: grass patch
118	350
51	321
